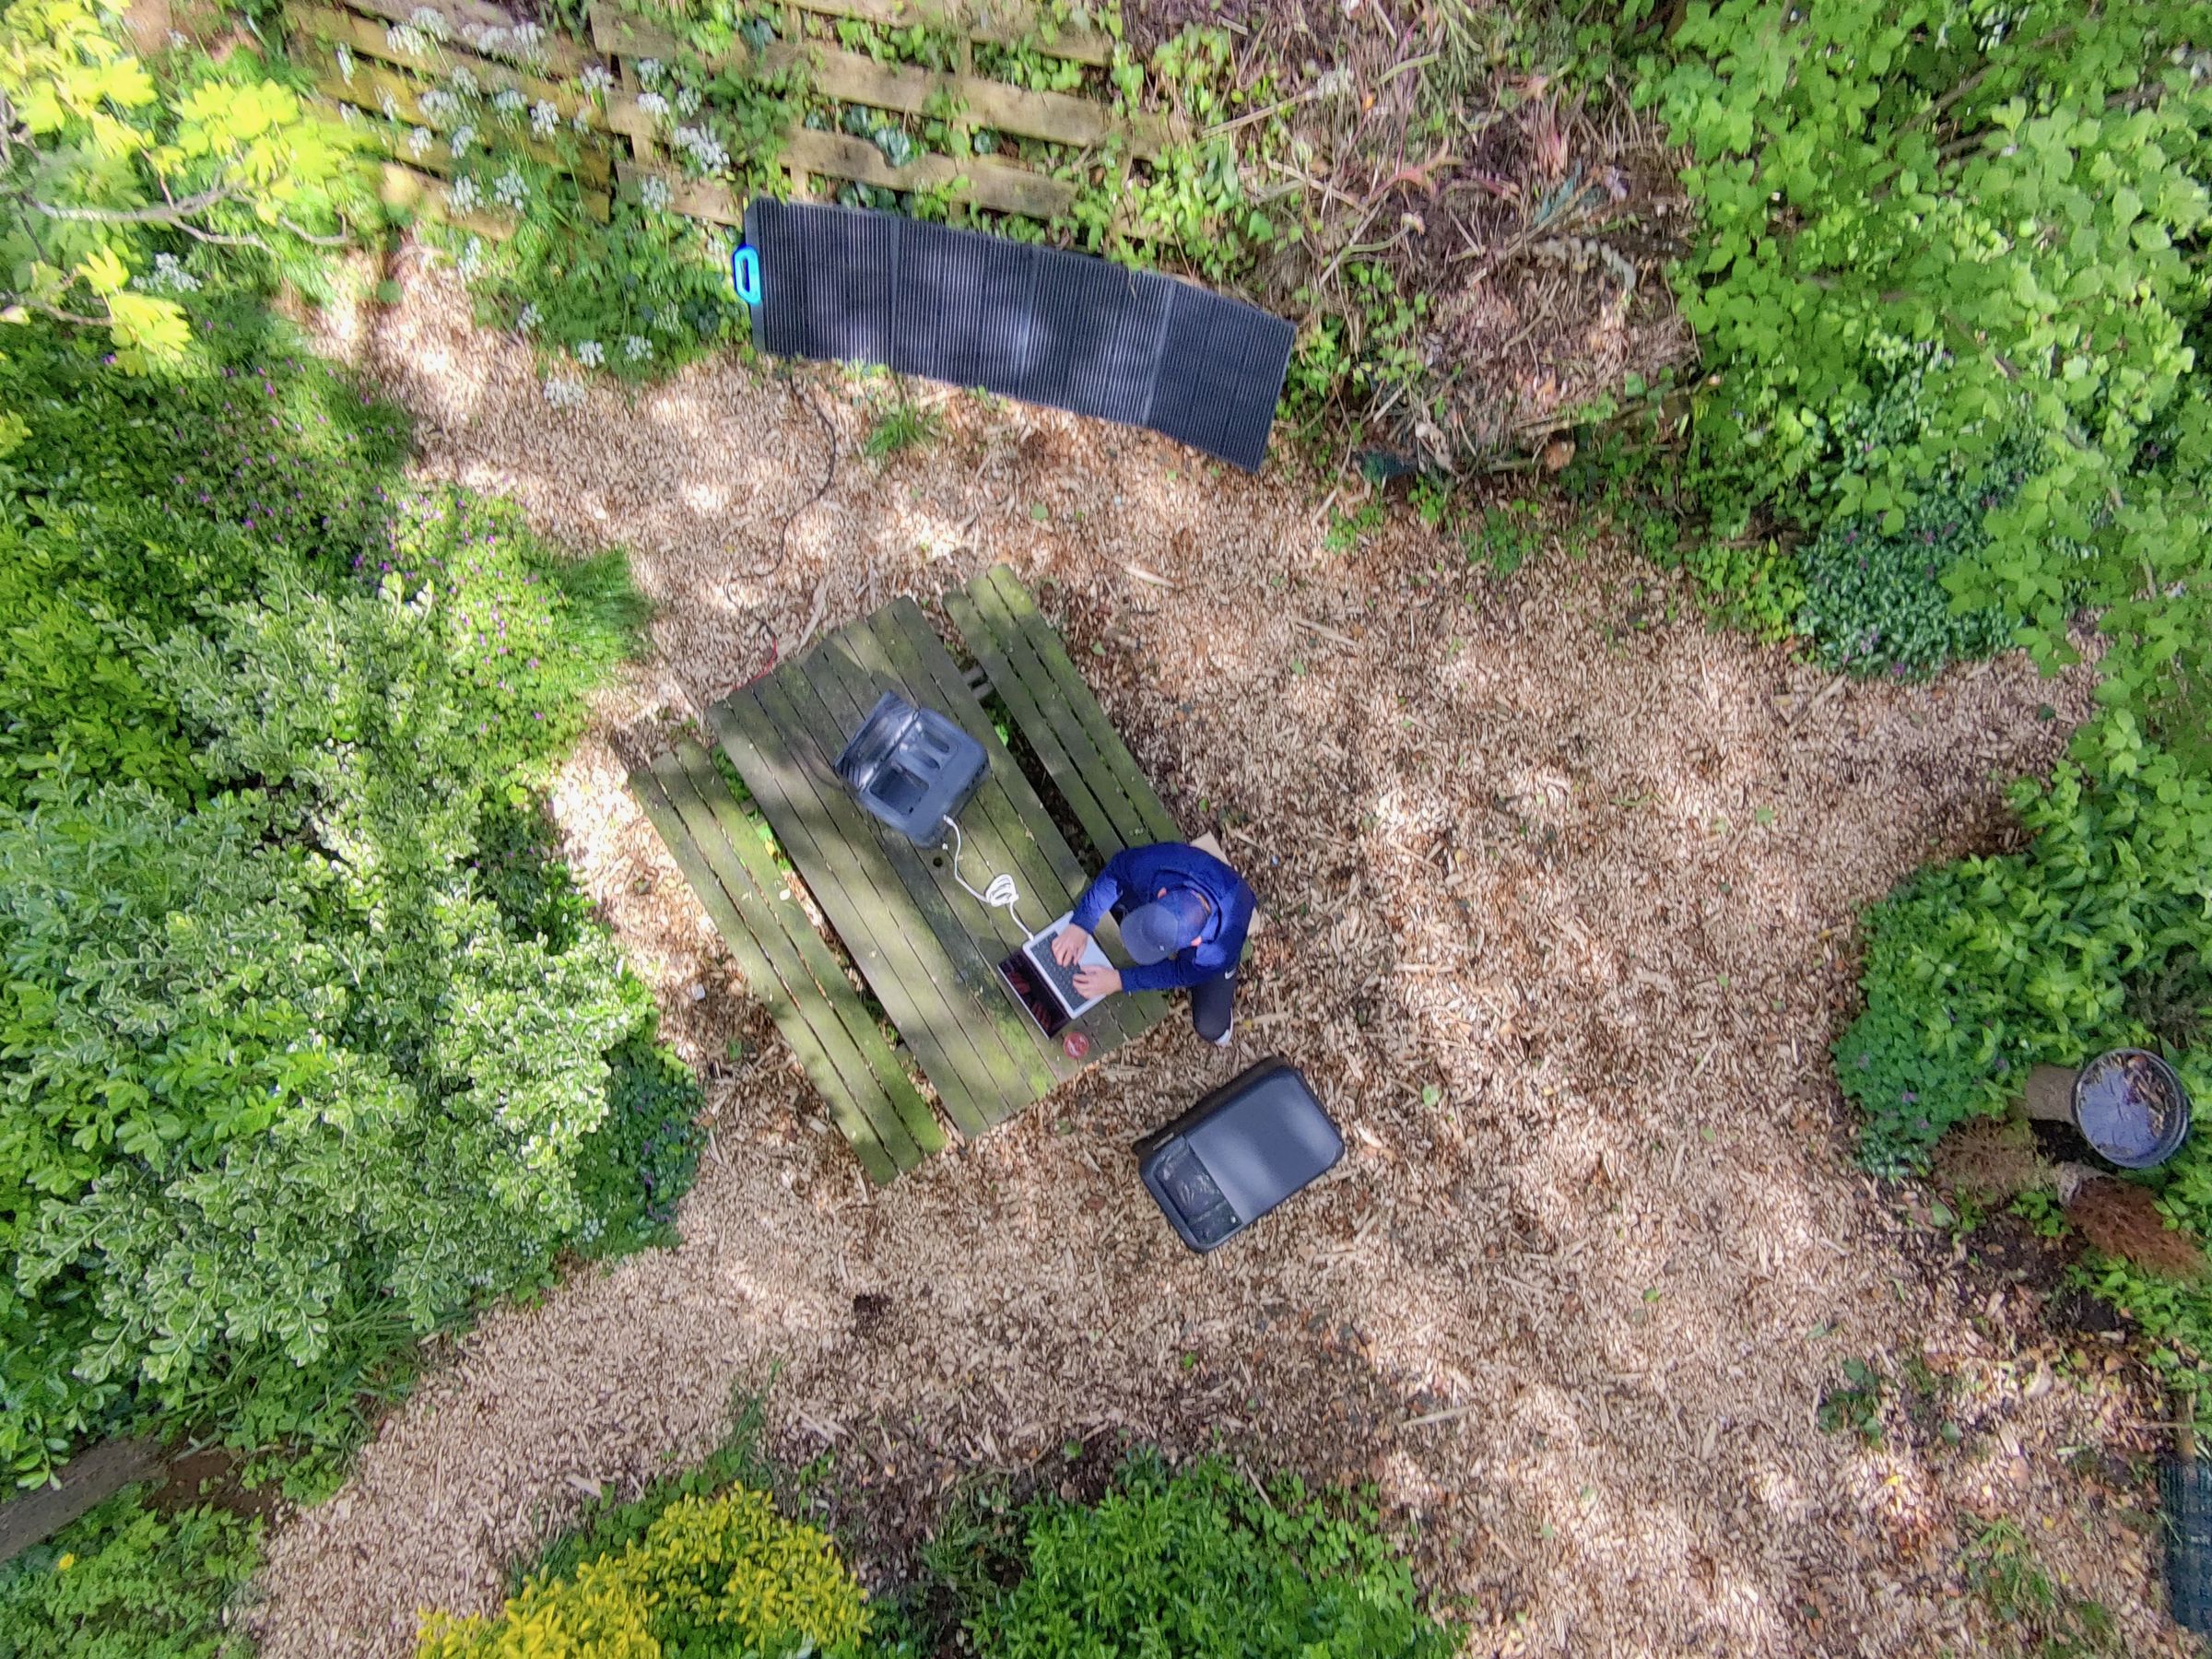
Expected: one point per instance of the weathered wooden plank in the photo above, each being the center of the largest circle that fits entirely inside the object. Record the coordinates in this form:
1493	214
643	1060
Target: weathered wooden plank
836	850
1041	860
1056	117
854	77
1043	640
740	836
998	185
817	986
372	85
1049	697
419	183
997	837
1000	25
984	633
370	41
656	792
403	188
488	30
844	692
1077	771
87	1480
700	198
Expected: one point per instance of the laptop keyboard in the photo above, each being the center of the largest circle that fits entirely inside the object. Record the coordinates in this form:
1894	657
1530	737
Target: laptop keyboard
1062	980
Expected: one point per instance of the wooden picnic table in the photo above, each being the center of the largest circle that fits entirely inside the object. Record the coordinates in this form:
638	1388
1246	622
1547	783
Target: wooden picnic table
934	1011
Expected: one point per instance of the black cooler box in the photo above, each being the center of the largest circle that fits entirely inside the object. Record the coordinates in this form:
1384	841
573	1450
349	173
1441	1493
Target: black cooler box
911	768
1238	1153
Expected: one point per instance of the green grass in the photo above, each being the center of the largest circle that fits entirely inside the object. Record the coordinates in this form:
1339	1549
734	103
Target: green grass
901	424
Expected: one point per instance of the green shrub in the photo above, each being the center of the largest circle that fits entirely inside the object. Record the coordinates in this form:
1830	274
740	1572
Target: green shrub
1933	230
134	507
124	1582
313	1042
644	1154
723	1575
115	166
1876	601
1200	1562
1756	586
1978	971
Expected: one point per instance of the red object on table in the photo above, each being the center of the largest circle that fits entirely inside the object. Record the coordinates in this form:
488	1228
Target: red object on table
1076	1043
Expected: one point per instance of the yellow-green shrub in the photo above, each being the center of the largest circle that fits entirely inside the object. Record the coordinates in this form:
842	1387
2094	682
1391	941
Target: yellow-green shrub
710	1575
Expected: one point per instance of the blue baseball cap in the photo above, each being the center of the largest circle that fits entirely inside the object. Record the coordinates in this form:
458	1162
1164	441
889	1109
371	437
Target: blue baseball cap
1152	933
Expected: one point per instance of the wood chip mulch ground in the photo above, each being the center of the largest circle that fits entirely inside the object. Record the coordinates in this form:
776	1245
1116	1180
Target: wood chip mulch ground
1563	889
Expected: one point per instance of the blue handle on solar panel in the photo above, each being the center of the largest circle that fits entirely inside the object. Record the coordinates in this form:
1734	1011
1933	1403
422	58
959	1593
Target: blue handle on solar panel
744	274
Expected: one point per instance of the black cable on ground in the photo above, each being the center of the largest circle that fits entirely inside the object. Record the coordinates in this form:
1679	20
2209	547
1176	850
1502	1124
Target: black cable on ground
800	393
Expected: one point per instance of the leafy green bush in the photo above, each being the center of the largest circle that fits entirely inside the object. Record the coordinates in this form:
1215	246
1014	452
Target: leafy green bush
110	173
723	1575
1978	971
134	507
124	1582
1875	600
1199	1562
312	1043
1933	230
1751	584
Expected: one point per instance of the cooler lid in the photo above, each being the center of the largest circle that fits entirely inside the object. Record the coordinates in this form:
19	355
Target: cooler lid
1266	1143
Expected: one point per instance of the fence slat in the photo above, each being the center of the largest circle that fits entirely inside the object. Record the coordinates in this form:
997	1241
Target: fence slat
1001	25
986	184
367	41
854	77
556	52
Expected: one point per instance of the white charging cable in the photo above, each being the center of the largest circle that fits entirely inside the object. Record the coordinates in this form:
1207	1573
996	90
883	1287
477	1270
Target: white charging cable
1002	894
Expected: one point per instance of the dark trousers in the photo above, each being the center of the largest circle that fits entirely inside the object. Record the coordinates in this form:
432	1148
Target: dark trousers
1212	1001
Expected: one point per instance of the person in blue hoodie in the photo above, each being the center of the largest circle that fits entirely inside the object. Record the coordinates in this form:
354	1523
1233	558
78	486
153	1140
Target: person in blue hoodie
1183	915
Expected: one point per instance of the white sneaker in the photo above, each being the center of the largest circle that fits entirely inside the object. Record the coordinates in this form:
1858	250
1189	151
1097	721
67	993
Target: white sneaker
1222	1040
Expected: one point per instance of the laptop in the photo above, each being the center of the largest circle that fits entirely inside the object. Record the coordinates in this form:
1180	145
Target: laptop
1046	990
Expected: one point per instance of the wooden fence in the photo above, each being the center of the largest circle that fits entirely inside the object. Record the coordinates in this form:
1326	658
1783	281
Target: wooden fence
360	47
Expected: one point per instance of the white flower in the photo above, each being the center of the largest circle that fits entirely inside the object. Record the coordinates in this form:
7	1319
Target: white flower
649	70
544	118
464	195
345	56
348	115
529	318
406	40
465	82
595	78
177	40
419	141
686	100
430	22
482	37
167	277
510	188
388	104
563	393
507	102
438	104
636	347
700	146
463	136
655	191
471	258
582	119
590	353
528	38
653	104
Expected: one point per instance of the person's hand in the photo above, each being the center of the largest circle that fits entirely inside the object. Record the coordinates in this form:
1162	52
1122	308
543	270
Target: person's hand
1095	981
1068	946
